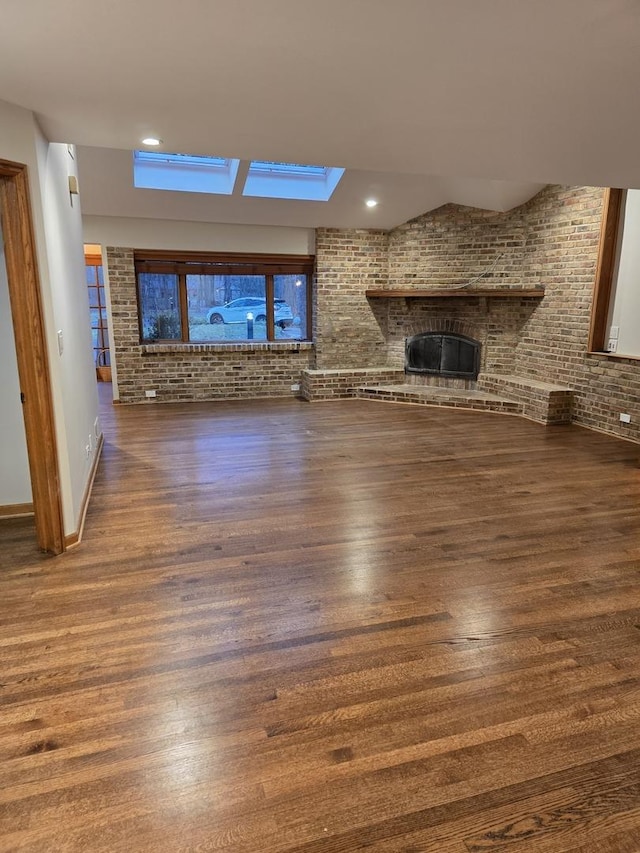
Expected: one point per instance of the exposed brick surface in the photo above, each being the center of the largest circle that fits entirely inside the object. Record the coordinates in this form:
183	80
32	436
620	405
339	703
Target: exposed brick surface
347	331
330	384
453	245
550	242
428	395
541	401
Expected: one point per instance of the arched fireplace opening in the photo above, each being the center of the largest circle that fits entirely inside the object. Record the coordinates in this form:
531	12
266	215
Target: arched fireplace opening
442	354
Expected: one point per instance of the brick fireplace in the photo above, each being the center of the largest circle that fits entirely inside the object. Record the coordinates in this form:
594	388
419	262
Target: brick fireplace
532	349
496	323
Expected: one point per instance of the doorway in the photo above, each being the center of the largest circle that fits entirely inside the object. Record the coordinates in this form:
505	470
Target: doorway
98	309
31	354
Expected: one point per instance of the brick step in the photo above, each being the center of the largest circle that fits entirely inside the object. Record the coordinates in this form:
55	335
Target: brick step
542	401
430	395
334	383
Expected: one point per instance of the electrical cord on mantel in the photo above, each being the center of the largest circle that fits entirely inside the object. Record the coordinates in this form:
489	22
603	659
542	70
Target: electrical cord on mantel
471	281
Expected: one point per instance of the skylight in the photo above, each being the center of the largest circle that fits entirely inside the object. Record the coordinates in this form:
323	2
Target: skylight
193	173
267	179
190	173
261	166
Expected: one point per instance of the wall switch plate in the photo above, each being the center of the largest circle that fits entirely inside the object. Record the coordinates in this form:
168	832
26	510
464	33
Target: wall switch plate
614	332
150	394
625	418
612	346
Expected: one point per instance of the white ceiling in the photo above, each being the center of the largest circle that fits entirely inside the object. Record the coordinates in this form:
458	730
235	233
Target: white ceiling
423	101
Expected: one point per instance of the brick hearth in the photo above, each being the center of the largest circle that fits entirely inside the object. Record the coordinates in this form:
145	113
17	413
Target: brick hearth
538	401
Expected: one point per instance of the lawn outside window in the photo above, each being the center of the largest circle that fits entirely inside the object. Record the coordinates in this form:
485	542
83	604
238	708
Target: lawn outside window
215	298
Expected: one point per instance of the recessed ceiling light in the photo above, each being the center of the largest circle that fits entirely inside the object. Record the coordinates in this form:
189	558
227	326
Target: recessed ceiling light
371	202
151	140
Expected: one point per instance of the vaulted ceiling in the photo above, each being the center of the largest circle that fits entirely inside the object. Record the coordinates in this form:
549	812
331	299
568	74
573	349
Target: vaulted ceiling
423	101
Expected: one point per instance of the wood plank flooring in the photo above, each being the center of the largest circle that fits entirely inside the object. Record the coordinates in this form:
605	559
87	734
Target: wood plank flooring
347	626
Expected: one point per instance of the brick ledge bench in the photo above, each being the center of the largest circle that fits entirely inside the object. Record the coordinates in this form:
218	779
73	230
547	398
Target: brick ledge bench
333	384
541	401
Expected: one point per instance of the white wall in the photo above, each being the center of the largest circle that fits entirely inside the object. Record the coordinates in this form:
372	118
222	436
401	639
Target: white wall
626	301
70	306
15	484
59	247
197	236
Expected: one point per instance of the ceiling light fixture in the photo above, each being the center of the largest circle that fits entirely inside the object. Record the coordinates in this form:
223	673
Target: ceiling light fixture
151	140
371	202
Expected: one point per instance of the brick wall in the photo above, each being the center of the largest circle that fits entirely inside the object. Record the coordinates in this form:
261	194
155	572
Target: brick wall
453	244
193	371
562	253
347	330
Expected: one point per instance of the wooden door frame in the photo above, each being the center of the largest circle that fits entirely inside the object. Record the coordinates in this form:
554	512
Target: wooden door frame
612	207
31	351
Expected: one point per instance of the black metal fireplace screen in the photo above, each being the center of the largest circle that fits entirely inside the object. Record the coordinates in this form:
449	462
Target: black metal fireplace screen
442	354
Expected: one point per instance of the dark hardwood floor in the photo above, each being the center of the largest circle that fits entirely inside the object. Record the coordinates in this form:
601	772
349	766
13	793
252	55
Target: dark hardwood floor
347	626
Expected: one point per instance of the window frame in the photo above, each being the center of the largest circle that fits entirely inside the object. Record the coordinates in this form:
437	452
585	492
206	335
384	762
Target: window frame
183	264
601	304
103	350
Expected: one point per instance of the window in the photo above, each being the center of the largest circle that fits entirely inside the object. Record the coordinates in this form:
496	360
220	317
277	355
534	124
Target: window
156	170
216	298
98	310
616	302
184	172
291	180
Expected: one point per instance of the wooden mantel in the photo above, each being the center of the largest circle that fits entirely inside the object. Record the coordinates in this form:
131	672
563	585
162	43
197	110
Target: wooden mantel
456	293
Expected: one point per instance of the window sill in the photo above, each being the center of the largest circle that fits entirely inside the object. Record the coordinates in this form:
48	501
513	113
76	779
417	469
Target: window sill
616	356
231	346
